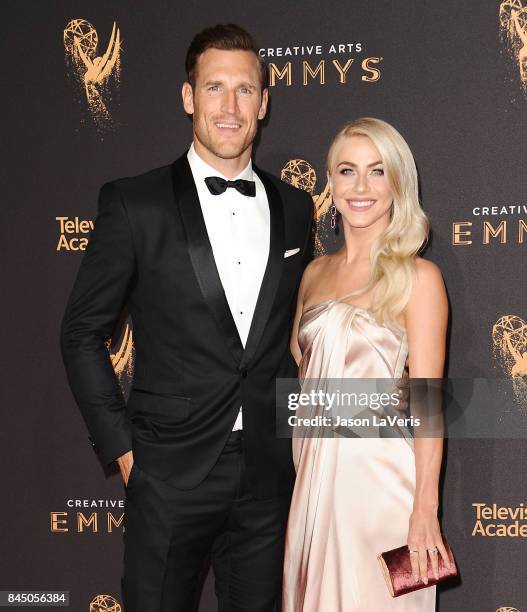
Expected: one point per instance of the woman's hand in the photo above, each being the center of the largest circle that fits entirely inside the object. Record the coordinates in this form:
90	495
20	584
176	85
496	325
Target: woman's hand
424	539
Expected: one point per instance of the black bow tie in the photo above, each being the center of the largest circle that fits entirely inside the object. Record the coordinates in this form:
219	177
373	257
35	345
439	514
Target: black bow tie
218	185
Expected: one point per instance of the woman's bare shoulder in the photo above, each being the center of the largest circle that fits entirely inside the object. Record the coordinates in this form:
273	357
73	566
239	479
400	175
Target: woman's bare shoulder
313	272
315	268
428	288
428	273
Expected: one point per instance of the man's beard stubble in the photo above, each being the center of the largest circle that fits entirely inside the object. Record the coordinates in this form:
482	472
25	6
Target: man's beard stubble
208	143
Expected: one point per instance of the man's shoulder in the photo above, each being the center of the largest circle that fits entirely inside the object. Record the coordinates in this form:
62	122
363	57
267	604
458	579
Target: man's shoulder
145	181
147	189
140	194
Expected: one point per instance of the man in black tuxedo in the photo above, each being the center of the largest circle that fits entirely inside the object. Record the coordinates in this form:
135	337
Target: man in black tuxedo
206	254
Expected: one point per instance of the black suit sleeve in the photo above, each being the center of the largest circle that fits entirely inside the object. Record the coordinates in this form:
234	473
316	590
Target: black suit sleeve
97	299
308	252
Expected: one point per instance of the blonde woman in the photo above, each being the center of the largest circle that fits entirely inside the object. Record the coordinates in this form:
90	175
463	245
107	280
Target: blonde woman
364	312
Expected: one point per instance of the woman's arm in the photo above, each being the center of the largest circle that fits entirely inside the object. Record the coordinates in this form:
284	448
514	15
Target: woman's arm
308	281
426	320
294	347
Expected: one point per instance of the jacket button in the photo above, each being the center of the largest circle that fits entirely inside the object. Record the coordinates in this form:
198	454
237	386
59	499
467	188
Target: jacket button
244	373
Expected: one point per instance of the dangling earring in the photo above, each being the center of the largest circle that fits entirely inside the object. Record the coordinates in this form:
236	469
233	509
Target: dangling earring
333	212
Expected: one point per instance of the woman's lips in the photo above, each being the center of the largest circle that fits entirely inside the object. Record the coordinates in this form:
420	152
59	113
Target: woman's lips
360	205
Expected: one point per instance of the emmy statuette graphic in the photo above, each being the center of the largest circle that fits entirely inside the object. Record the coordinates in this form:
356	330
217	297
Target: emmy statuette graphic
98	75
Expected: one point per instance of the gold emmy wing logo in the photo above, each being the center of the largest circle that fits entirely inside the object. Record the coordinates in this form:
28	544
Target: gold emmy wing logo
105	603
507	609
513	26
91	70
122	354
300	173
509	340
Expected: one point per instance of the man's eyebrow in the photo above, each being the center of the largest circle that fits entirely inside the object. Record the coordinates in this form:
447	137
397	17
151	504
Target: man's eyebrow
249	84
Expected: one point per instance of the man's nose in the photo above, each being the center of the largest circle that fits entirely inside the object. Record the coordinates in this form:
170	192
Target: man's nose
230	102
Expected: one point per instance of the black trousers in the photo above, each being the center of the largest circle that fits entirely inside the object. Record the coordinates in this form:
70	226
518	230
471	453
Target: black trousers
172	536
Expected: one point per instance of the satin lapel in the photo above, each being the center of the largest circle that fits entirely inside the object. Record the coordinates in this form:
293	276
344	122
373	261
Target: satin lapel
273	270
201	255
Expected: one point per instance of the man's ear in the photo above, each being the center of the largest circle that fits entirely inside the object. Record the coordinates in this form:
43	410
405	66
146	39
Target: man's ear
263	106
188	98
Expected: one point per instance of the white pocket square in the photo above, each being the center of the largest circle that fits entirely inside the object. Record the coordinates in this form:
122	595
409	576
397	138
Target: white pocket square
291	252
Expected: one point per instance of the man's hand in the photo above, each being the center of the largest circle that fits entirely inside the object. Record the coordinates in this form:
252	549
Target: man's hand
126	462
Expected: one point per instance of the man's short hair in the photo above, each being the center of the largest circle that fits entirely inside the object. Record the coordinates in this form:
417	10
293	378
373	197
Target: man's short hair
229	37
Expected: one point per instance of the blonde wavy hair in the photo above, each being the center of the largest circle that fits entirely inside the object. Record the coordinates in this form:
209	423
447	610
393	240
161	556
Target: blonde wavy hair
394	253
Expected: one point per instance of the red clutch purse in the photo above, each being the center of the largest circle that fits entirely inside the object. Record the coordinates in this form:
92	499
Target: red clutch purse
397	570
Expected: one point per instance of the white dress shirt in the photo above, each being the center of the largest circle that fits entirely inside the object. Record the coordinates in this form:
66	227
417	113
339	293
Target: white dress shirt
238	227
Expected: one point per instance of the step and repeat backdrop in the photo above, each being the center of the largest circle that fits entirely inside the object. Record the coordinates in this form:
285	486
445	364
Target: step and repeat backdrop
92	93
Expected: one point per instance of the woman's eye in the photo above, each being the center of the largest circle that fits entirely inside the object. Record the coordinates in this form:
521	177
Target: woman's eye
378	171
346	171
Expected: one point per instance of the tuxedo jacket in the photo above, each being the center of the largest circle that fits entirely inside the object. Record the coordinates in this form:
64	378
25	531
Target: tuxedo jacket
149	255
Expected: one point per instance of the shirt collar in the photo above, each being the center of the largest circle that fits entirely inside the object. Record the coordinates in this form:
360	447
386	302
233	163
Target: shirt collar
201	170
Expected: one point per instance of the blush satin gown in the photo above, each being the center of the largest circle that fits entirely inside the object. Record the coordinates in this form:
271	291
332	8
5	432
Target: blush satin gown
353	496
